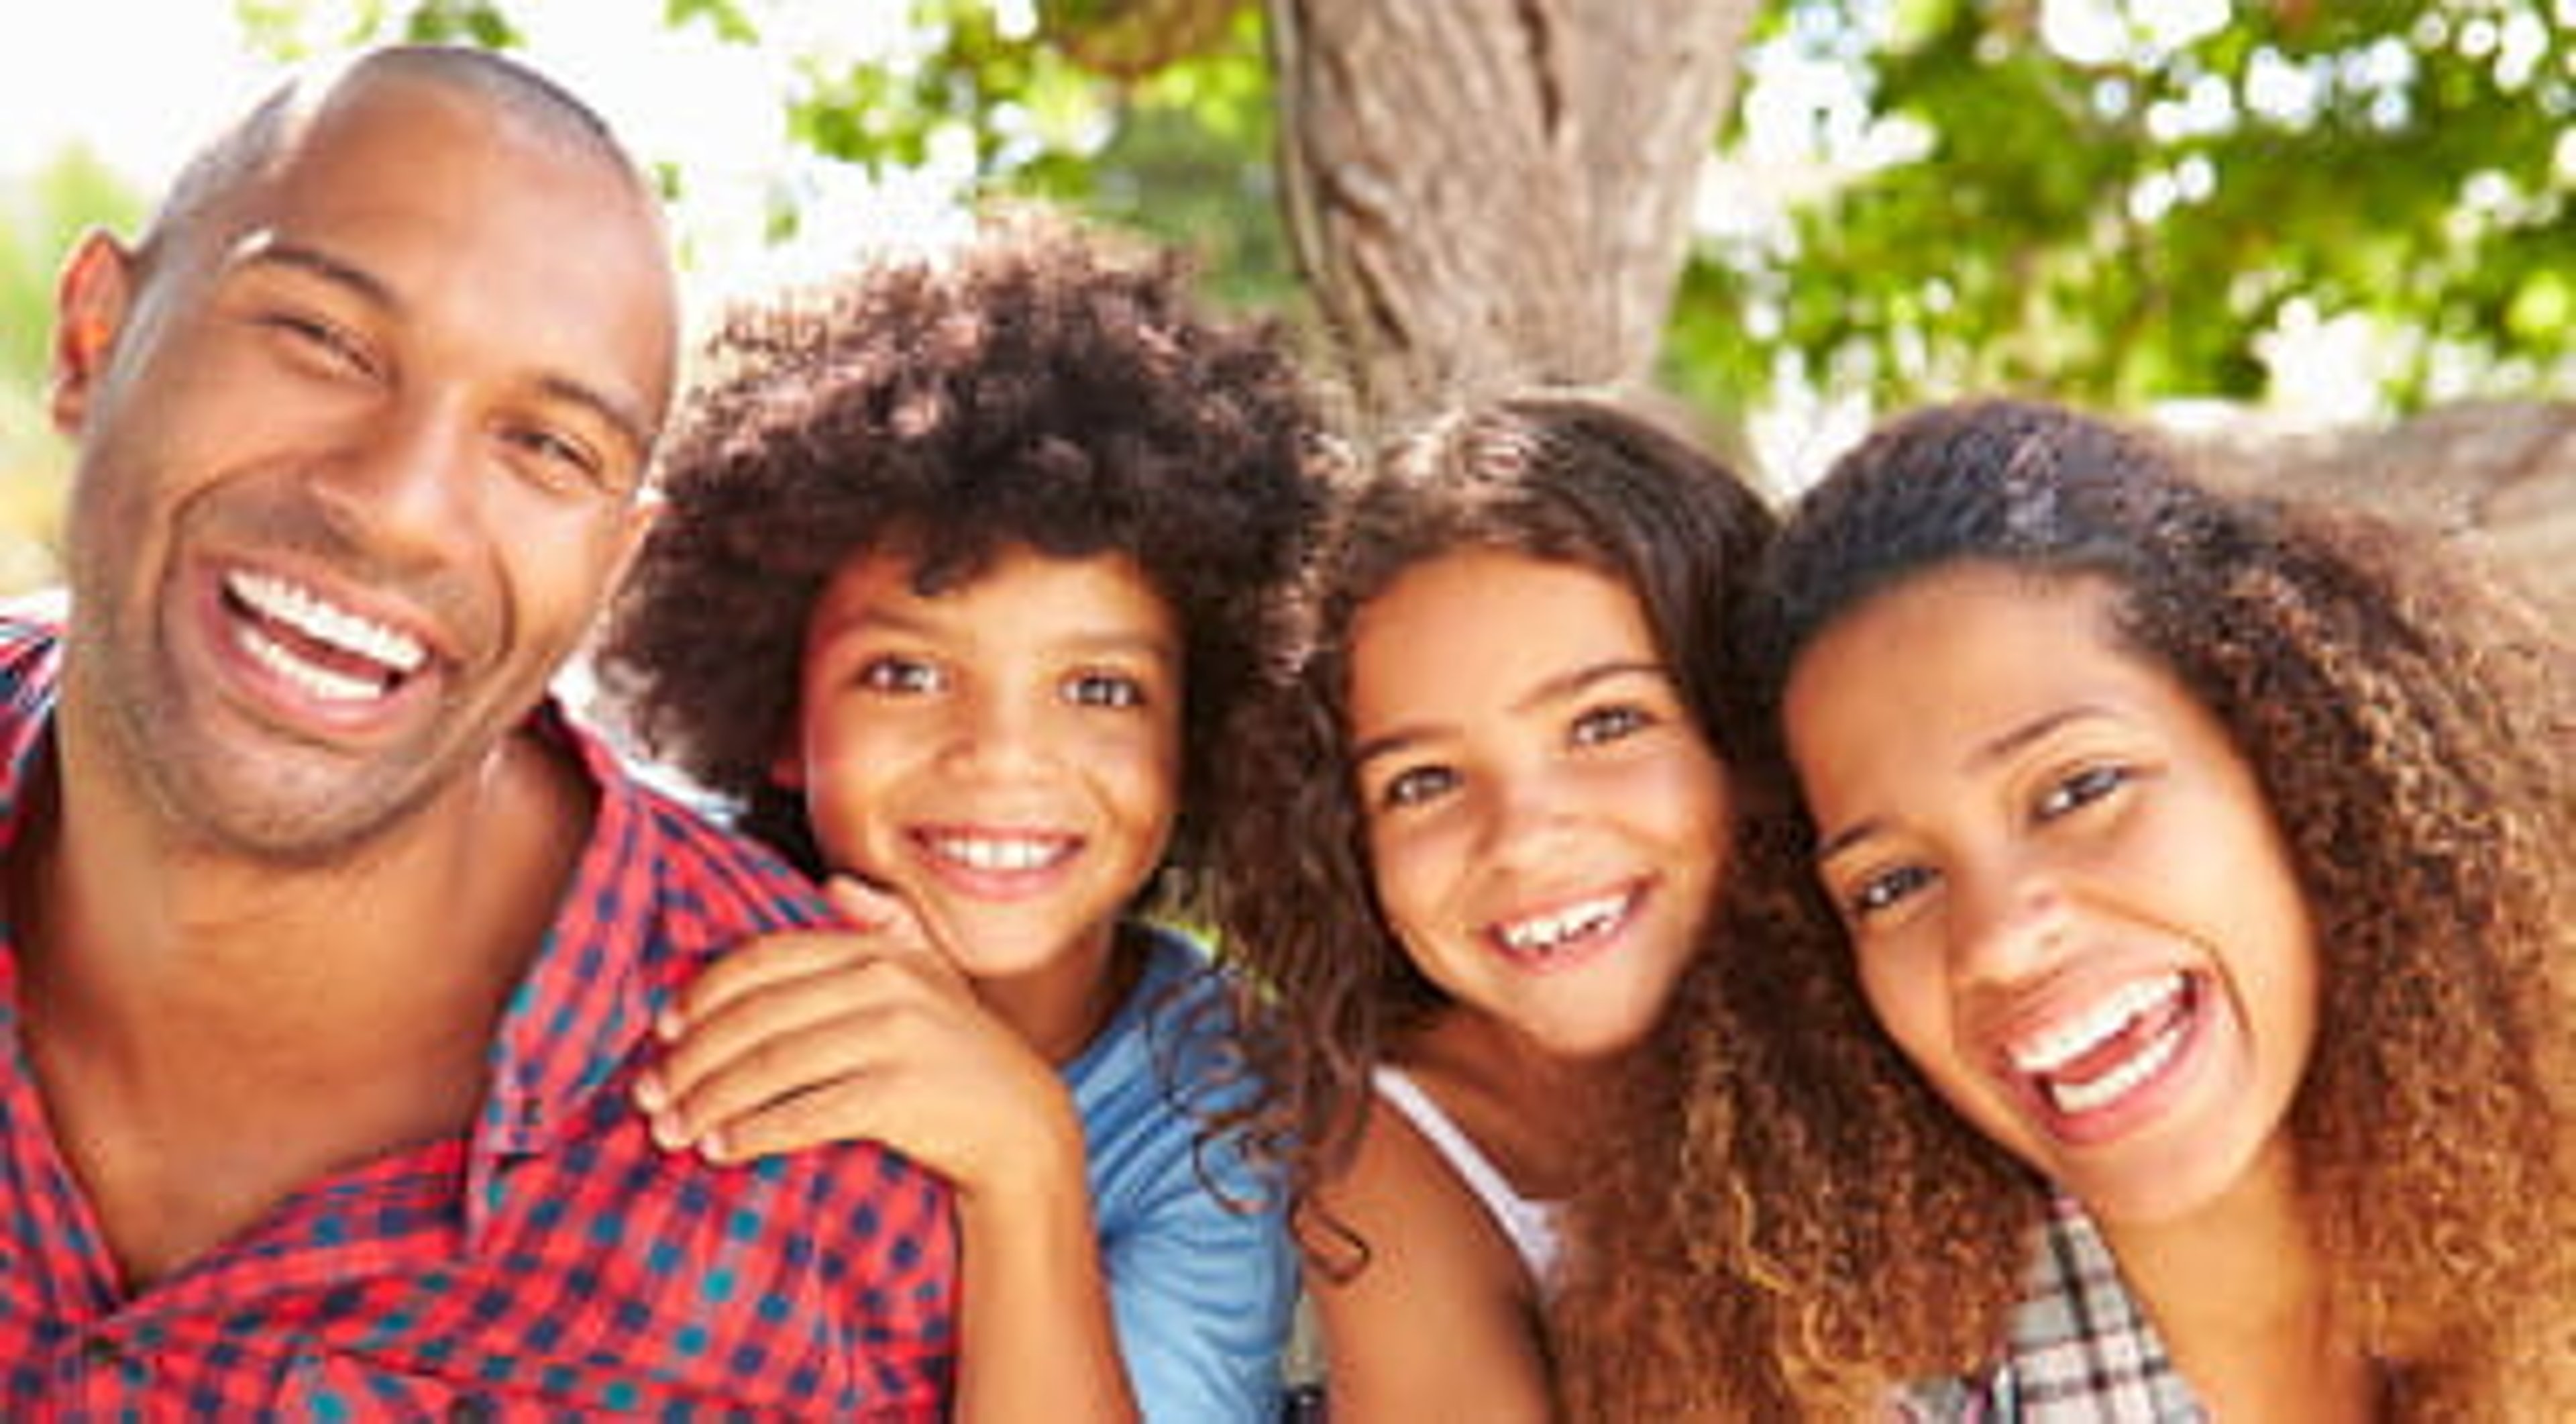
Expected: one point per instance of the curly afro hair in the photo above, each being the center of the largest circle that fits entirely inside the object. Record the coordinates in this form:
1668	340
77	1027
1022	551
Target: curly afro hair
2411	730
1560	476
1034	388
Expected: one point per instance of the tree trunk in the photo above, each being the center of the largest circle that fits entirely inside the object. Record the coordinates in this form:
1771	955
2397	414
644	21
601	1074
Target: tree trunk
1489	192
2498	478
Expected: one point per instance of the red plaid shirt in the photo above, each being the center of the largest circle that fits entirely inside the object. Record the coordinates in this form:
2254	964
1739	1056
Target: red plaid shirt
555	1265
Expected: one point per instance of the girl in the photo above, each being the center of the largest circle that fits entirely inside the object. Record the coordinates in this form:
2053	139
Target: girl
963	562
1476	837
2202	870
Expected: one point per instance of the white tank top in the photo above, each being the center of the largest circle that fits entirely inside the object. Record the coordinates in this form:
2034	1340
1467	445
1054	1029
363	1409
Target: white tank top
1529	1224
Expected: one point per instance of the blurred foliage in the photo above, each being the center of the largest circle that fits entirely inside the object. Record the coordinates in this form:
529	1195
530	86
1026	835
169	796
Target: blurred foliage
2116	200
1181	153
2128	226
295	28
1152	115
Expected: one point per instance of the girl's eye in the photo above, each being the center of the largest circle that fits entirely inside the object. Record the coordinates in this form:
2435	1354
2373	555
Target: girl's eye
1884	890
1415	785
899	676
1609	724
1104	689
2083	788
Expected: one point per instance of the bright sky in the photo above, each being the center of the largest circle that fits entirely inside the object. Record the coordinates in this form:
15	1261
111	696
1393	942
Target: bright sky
76	71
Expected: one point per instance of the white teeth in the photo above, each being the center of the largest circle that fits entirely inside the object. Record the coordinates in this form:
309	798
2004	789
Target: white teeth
1546	932
2073	1098
305	612
2063	1043
320	683
1001	854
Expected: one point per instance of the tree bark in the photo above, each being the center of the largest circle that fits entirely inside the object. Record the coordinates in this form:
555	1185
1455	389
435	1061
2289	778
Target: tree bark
1489	192
2497	478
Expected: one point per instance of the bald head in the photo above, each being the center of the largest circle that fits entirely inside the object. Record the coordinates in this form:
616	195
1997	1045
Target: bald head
418	118
254	145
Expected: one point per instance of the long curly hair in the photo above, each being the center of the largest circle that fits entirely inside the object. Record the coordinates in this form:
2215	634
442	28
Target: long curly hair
1036	387
1559	476
2412	732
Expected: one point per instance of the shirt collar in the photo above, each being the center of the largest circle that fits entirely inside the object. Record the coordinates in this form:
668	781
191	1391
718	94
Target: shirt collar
594	984
585	1000
30	663
592	988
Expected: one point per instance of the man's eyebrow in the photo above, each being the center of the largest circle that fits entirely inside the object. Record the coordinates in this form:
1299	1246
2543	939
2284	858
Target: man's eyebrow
623	416
630	423
358	281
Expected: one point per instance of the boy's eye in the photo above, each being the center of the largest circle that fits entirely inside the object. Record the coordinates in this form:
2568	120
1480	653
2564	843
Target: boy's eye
1883	890
1415	785
1104	689
902	676
1608	724
2081	789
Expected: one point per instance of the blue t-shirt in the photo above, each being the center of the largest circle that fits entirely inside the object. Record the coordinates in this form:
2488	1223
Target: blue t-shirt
1201	1294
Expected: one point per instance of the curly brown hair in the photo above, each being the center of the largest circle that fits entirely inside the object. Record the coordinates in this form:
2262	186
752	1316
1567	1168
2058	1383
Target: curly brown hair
1032	388
2411	730
1559	476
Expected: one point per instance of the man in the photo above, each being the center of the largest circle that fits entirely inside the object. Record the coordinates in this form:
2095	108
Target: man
330	949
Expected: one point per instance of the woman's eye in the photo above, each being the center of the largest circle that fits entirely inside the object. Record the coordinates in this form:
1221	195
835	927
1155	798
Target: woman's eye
1883	890
1415	785
1609	724
2081	789
1104	689
903	676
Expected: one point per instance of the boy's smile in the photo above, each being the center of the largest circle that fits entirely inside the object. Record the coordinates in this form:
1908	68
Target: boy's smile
1004	754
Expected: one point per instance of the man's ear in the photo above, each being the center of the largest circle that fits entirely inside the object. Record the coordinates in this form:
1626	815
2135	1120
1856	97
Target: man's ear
90	303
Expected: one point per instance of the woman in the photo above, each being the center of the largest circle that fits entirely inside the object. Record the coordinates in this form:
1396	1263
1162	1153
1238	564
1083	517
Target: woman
2206	905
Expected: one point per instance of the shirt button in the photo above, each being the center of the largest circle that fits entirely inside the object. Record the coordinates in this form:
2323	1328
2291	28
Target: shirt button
470	1411
101	1350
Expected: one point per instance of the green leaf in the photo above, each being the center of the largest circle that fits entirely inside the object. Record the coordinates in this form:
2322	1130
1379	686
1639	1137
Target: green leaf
725	17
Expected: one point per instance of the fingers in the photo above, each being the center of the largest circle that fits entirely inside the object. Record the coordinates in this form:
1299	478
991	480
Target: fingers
765	1049
759	967
891	922
794	1014
867	904
789	1089
838	1111
793	987
960	1097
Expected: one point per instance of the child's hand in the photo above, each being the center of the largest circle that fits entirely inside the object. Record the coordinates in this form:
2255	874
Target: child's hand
812	1036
